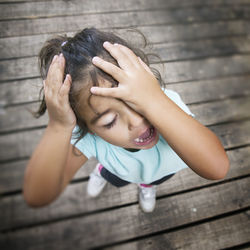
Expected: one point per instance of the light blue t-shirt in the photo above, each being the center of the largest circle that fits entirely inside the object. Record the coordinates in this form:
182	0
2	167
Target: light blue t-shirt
143	166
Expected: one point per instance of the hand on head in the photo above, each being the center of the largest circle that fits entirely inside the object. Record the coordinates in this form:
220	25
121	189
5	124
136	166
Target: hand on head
56	90
137	84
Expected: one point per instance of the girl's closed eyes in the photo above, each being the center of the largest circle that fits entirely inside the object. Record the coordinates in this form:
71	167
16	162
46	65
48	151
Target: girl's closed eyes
112	123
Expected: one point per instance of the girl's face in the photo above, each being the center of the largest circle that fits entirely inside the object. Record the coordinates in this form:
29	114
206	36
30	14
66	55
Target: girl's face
118	124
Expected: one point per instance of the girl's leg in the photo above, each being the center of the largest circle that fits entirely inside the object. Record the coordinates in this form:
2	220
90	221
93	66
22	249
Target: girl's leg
147	194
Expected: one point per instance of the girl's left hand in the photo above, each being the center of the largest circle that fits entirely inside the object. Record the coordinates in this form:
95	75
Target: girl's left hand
137	84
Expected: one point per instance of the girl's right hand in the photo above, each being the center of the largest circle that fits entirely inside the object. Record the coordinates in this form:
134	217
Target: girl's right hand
57	95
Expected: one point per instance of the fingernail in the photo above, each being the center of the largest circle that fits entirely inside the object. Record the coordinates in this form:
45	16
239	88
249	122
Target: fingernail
54	58
115	43
93	89
106	43
95	59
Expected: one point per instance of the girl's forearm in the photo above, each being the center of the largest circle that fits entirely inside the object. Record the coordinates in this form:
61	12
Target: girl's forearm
45	170
198	146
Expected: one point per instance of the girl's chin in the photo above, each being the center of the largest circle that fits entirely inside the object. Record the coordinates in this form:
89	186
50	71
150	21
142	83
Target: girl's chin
152	144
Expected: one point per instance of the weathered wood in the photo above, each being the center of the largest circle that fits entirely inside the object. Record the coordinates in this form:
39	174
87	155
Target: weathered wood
18	92
203	69
14	47
74	200
32	10
69	23
109	20
171	3
21	144
178	30
223	233
20	117
176	71
129	222
11	178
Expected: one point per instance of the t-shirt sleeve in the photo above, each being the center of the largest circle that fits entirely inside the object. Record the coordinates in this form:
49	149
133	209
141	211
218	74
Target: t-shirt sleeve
86	144
175	97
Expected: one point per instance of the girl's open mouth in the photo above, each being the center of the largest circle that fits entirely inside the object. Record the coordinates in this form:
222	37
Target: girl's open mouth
147	137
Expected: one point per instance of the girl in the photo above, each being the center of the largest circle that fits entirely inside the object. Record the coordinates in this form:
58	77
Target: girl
102	88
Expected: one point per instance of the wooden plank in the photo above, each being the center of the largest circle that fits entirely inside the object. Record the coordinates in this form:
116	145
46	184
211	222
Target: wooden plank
20	117
21	144
70	202
11	177
28	67
172	51
18	92
59	8
172	3
179	32
14	47
10	28
174	15
180	71
194	49
128	222
203	69
223	233
68	23
12	173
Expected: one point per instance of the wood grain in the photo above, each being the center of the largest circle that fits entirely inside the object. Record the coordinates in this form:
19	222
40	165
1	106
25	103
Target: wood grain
129	222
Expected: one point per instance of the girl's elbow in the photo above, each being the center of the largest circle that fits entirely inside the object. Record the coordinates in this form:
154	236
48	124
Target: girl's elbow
222	169
34	202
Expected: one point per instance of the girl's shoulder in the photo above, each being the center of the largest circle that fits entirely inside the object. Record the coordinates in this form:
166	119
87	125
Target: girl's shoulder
176	98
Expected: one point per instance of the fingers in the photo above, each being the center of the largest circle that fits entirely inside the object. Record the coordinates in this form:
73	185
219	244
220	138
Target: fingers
111	92
109	68
124	56
55	74
64	90
145	66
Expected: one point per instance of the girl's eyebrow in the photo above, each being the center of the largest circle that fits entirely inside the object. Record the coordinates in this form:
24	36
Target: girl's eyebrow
95	119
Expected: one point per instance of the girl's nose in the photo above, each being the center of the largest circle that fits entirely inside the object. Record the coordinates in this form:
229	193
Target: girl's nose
134	120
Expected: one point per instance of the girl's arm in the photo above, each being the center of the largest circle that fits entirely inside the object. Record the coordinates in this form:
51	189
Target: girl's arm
53	163
51	167
198	146
194	143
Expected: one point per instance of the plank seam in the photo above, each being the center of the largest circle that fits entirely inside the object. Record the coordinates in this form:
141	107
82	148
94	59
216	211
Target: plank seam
245	54
195	7
80	215
135	26
178	228
238	247
8	132
148	44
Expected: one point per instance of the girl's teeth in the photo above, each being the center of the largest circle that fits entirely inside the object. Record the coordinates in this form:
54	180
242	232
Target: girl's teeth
146	139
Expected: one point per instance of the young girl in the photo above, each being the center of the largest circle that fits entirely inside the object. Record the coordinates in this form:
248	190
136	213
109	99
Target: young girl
102	88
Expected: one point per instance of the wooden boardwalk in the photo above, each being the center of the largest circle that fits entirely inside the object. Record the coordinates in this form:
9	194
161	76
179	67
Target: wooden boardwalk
205	56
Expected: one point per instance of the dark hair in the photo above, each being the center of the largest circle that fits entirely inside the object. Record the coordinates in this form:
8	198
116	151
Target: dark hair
78	52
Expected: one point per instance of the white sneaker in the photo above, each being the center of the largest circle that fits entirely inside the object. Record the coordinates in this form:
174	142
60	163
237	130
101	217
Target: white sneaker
147	198
96	183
